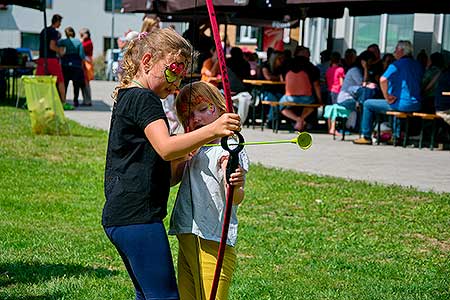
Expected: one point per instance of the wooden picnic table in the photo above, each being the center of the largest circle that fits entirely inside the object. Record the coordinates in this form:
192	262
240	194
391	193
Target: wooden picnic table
259	82
259	86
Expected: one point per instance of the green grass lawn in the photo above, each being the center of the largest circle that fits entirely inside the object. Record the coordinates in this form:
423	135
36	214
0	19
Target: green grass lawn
300	237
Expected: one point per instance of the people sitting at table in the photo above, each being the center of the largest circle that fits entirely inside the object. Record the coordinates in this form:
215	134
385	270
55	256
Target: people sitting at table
334	76
323	67
240	96
298	90
252	59
388	58
400	85
210	68
430	80
238	63
442	102
373	69
239	69
347	99
349	59
271	70
312	70
72	63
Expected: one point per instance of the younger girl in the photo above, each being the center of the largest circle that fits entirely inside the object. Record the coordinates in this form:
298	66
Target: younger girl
198	211
137	174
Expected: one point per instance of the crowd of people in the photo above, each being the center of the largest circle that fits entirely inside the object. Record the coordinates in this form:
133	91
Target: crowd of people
357	87
69	59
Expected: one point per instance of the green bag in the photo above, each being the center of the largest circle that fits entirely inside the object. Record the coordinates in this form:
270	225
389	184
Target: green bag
46	111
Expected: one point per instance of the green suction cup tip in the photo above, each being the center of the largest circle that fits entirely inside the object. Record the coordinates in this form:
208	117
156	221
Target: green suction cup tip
304	140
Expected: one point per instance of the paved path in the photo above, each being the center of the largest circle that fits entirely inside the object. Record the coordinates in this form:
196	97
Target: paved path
423	169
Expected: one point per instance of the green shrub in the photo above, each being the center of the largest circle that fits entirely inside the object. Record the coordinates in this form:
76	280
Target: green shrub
100	67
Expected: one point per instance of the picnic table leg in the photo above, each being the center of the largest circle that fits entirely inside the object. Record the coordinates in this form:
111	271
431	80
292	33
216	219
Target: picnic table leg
405	139
433	133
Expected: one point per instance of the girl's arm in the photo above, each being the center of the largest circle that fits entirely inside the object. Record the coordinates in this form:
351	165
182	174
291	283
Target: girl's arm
237	179
178	166
173	147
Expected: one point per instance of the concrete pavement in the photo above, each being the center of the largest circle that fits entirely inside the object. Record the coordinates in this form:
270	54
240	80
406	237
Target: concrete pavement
419	168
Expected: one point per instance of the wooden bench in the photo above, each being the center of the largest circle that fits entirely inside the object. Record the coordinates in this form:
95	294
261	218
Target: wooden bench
402	116
406	116
276	111
427	117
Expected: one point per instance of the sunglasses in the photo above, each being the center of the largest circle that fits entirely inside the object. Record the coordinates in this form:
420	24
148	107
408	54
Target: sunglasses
174	72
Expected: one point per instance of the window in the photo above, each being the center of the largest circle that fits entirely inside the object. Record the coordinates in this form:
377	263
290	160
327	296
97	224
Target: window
247	35
117	5
49	3
107	44
399	27
446	39
30	40
366	31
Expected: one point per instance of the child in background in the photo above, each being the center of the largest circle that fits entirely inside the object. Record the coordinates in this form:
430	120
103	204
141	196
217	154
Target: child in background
198	210
140	148
335	76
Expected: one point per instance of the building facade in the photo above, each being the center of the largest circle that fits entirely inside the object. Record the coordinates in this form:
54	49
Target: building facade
427	32
20	27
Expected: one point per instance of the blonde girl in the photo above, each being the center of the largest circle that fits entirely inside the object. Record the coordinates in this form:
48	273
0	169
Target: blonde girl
137	173
197	215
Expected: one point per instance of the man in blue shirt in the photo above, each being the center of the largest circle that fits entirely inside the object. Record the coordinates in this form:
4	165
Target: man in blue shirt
400	85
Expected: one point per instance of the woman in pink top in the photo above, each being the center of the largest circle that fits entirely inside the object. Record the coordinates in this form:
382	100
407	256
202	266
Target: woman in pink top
298	90
335	76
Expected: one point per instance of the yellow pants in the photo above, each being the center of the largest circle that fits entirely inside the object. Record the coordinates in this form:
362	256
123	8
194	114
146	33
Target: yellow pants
196	265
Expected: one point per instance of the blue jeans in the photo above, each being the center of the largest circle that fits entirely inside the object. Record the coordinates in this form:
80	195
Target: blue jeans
365	93
269	96
370	109
145	251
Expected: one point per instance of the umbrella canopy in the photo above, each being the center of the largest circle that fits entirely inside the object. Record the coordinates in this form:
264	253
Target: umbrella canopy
36	4
244	12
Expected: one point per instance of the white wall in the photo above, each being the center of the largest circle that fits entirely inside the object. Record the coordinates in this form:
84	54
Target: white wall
78	14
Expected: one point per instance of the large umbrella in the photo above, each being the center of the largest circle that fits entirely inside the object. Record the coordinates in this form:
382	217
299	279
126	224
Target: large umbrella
36	4
245	12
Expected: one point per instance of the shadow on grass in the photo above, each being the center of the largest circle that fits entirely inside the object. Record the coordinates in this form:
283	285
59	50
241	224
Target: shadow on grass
35	272
43	297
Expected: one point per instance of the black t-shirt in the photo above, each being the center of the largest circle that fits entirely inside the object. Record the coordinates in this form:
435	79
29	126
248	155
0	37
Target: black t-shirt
240	67
52	34
137	179
375	71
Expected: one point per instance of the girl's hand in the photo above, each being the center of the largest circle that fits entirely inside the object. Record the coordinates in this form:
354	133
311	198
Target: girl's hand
238	177
226	124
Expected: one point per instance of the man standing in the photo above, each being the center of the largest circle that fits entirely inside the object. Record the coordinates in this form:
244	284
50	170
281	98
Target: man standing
400	85
48	62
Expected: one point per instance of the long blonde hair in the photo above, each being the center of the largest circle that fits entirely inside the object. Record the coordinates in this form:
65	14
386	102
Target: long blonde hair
149	24
160	43
192	94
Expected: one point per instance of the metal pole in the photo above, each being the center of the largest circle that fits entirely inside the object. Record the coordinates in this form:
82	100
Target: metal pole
113	8
330	34
45	41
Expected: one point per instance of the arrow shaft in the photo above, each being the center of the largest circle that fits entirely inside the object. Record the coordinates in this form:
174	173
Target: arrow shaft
256	143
